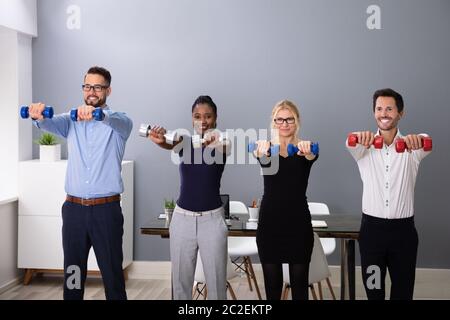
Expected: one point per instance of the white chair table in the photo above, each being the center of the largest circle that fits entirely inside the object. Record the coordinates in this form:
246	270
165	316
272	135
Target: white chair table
200	285
318	208
318	271
241	249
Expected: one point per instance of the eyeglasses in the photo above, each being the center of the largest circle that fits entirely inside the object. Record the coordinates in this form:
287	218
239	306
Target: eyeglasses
282	120
96	88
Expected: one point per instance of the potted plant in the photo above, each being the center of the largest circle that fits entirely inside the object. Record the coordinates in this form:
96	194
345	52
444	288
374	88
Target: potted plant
253	211
169	206
49	148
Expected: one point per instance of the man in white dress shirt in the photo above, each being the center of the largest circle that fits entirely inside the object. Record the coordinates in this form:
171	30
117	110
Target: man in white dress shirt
388	237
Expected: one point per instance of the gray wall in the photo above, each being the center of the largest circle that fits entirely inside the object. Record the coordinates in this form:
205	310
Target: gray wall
248	55
8	244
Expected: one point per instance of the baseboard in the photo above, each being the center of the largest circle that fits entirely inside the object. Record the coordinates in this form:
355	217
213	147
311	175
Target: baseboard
9	285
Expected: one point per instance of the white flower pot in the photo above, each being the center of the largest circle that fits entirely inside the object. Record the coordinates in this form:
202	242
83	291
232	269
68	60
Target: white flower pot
50	153
253	214
168	213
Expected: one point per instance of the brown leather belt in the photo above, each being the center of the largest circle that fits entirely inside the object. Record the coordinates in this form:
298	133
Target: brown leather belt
94	201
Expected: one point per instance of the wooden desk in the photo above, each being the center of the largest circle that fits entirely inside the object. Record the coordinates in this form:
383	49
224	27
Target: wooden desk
341	226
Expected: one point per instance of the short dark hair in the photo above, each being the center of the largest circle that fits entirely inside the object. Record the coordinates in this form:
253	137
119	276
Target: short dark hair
205	100
388	92
101	71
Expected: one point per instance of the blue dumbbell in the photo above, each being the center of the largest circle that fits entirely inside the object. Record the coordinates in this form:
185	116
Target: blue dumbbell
97	114
274	149
292	149
47	113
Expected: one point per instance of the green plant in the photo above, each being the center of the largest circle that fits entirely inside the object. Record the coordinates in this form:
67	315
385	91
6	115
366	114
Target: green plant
47	139
169	204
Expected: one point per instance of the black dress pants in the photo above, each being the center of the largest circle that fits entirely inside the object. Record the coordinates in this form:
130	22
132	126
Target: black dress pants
99	226
388	244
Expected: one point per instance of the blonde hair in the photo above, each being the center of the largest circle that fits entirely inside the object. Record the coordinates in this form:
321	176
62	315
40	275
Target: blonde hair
285	105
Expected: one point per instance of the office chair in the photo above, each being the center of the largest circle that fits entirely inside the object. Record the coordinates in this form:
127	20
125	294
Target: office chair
318	271
241	248
200	286
318	208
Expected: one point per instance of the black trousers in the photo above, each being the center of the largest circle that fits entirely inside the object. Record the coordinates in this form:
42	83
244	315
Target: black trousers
101	227
392	245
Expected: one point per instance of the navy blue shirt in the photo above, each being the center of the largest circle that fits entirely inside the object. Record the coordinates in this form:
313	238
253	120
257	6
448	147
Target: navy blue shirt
200	178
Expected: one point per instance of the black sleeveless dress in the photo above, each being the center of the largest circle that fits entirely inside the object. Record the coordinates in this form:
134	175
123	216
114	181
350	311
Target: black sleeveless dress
285	233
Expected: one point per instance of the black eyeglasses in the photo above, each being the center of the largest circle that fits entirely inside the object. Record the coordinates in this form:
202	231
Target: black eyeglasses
96	87
282	120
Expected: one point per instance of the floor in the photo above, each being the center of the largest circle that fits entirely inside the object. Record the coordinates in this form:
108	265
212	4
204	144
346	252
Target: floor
430	284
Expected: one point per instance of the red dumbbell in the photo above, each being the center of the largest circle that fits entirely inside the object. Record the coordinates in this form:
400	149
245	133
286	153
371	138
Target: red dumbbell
377	141
427	144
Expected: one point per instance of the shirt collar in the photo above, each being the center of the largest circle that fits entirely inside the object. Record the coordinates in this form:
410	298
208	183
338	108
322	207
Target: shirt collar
398	135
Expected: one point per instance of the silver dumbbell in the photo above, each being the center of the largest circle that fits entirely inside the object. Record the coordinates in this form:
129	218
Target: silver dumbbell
197	140
171	136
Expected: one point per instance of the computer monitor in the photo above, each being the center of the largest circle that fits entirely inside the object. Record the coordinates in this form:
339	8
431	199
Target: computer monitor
226	204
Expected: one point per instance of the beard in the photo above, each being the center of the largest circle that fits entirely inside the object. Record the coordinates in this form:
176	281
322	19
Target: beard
96	103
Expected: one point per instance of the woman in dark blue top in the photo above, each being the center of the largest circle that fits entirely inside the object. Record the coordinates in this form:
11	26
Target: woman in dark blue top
198	222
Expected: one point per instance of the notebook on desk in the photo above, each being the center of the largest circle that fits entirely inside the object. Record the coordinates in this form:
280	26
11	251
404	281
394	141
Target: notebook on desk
319	224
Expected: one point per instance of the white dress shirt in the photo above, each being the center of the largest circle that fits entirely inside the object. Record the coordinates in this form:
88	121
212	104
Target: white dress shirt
388	179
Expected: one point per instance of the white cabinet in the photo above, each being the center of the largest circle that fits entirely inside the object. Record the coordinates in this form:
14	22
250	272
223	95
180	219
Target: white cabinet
41	196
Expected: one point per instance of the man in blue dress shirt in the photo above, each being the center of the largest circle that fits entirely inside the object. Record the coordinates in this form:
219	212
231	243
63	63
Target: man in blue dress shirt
91	214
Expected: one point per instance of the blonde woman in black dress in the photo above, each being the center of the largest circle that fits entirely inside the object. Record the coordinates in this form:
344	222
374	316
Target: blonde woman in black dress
285	233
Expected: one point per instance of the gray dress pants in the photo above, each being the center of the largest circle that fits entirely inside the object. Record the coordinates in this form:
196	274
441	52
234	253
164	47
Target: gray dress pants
192	231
